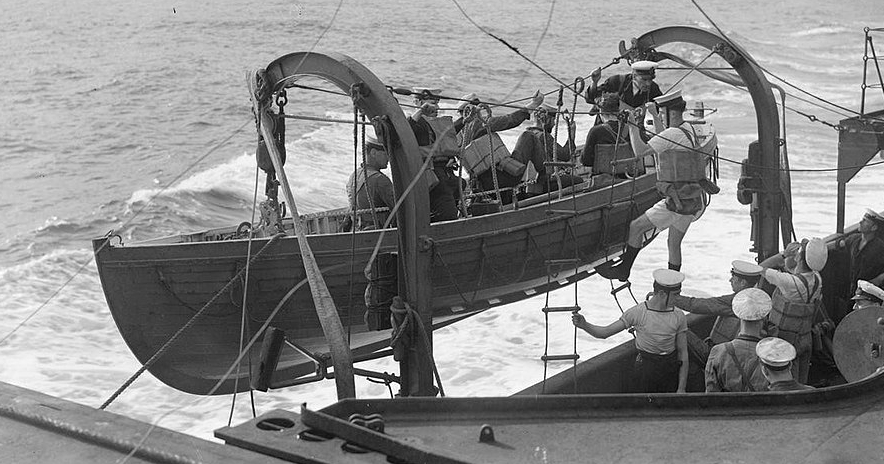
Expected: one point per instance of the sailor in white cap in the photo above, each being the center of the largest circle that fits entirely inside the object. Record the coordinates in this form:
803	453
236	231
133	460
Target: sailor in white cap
635	89
798	294
733	366
866	260
777	356
683	202
726	327
660	327
867	294
370	189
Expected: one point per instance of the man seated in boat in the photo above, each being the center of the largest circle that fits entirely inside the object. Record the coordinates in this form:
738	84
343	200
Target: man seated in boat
797	300
536	145
660	327
609	141
726	327
864	251
776	356
369	189
681	171
733	366
635	89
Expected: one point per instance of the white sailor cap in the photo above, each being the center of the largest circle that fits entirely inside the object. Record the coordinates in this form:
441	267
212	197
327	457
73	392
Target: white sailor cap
467	100
868	291
873	215
816	254
670	99
373	141
746	269
644	67
668	278
775	352
422	92
751	304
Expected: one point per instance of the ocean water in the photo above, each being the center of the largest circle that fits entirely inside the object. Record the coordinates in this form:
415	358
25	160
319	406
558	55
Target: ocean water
112	115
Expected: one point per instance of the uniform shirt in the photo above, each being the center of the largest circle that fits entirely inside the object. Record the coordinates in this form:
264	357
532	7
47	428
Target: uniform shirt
377	184
536	146
789	385
672	138
792	288
655	331
723	374
866	262
474	128
602	134
621	84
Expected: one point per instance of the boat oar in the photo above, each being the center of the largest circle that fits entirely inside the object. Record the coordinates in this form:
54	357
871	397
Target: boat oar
325	305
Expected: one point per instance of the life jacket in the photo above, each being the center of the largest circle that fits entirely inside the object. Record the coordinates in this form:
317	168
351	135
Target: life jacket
794	319
679	171
444	146
481	153
607	153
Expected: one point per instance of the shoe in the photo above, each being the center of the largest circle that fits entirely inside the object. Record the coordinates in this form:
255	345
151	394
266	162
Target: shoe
610	271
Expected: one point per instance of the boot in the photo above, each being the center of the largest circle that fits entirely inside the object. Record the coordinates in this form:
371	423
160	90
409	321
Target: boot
675	267
622	270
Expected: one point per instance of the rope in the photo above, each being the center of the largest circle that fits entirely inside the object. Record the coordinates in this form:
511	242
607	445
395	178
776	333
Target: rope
245	292
693	68
187	325
409	314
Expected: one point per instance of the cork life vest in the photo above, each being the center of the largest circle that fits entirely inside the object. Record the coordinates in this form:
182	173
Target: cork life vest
483	152
680	169
794	319
444	146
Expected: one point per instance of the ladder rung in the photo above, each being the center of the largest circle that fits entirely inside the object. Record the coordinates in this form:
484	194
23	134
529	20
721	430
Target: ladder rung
559	164
626	285
561	309
565	212
554	262
560	357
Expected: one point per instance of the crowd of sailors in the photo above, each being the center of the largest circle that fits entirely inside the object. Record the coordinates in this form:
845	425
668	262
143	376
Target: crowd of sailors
469	143
767	330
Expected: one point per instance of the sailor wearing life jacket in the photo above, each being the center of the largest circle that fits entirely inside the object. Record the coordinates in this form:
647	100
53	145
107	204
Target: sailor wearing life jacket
635	89
797	299
681	168
733	366
370	189
436	138
660	327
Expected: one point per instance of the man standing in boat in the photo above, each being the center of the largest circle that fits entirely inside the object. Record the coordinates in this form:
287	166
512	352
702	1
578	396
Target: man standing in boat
733	366
370	189
797	298
727	325
635	89
865	253
680	178
776	356
662	362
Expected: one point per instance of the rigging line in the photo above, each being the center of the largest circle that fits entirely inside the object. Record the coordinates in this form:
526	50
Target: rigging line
123	225
514	49
766	70
711	52
224	377
245	292
549	17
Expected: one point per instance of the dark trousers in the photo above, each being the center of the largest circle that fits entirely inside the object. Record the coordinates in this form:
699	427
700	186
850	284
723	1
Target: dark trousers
656	373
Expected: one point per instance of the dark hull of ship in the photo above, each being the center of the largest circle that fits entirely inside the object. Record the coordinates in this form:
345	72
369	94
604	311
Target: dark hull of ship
154	288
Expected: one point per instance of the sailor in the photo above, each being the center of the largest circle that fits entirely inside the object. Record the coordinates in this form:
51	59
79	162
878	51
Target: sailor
867	294
370	189
865	252
733	366
776	356
662	361
684	198
797	299
428	127
635	89
610	133
726	327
